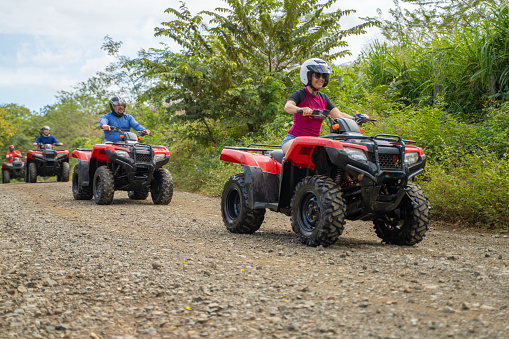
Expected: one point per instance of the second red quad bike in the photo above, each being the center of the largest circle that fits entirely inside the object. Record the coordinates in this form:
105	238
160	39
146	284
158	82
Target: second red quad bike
13	169
324	181
46	161
126	165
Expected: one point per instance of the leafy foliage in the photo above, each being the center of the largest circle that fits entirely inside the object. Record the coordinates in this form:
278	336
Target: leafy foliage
7	128
464	71
414	21
237	69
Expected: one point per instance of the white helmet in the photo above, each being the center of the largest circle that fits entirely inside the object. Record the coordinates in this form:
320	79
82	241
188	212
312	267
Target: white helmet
311	66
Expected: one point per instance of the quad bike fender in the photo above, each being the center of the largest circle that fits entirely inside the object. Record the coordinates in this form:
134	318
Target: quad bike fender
83	168
30	155
299	154
264	162
262	187
82	155
63	154
99	152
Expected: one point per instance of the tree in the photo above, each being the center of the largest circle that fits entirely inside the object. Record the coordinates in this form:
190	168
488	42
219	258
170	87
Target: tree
7	128
428	17
239	66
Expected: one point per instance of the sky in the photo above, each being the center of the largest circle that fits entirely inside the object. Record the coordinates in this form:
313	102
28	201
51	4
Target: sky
52	45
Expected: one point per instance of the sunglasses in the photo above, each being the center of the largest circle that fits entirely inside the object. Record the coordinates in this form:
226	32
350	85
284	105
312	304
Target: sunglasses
325	76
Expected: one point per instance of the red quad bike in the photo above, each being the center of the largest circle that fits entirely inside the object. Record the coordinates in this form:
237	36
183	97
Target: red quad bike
46	161
323	181
13	169
125	165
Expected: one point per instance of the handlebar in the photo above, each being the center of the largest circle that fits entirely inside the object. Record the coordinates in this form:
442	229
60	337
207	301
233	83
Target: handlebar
141	133
316	113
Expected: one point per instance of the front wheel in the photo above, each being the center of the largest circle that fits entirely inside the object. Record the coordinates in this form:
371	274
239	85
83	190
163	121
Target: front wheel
6	176
237	216
318	211
407	224
104	186
32	172
161	187
64	172
80	192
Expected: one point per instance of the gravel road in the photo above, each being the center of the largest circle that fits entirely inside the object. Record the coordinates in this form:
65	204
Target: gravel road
73	269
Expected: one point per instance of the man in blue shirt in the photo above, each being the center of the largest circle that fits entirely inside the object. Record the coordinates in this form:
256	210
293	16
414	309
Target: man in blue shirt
118	118
45	138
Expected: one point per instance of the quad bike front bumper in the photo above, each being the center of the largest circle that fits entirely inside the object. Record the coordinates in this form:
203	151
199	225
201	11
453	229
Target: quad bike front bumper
138	169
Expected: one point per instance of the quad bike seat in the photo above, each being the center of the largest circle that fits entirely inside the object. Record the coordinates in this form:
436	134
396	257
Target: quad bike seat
278	155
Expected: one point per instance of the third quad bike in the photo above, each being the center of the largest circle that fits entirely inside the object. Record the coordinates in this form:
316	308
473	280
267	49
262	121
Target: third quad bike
46	161
323	181
126	165
13	169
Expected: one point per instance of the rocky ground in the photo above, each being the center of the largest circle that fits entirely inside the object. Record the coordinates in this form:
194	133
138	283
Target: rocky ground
135	270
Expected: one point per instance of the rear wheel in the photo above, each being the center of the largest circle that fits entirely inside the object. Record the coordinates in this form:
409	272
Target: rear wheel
318	211
80	192
237	216
138	195
6	176
32	172
104	186
161	187
407	224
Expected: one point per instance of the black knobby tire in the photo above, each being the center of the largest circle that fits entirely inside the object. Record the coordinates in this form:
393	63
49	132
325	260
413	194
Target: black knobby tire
80	192
32	172
407	225
6	176
64	174
103	186
318	211
237	216
138	195
161	187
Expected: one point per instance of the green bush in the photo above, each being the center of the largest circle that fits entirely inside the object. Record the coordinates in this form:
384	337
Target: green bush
470	190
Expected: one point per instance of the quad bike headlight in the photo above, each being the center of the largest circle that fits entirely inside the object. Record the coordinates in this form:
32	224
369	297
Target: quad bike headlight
356	154
159	156
411	158
37	155
122	154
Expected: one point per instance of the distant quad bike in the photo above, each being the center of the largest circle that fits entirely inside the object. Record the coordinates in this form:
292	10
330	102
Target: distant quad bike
323	181
125	165
46	161
13	169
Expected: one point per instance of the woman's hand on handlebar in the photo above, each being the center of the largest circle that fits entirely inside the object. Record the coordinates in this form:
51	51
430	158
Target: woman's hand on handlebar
107	128
305	111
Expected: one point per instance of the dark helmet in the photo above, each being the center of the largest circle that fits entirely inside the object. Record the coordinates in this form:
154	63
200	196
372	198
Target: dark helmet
311	66
117	101
43	128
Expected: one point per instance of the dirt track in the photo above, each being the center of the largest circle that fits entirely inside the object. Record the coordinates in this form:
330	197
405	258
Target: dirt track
135	270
